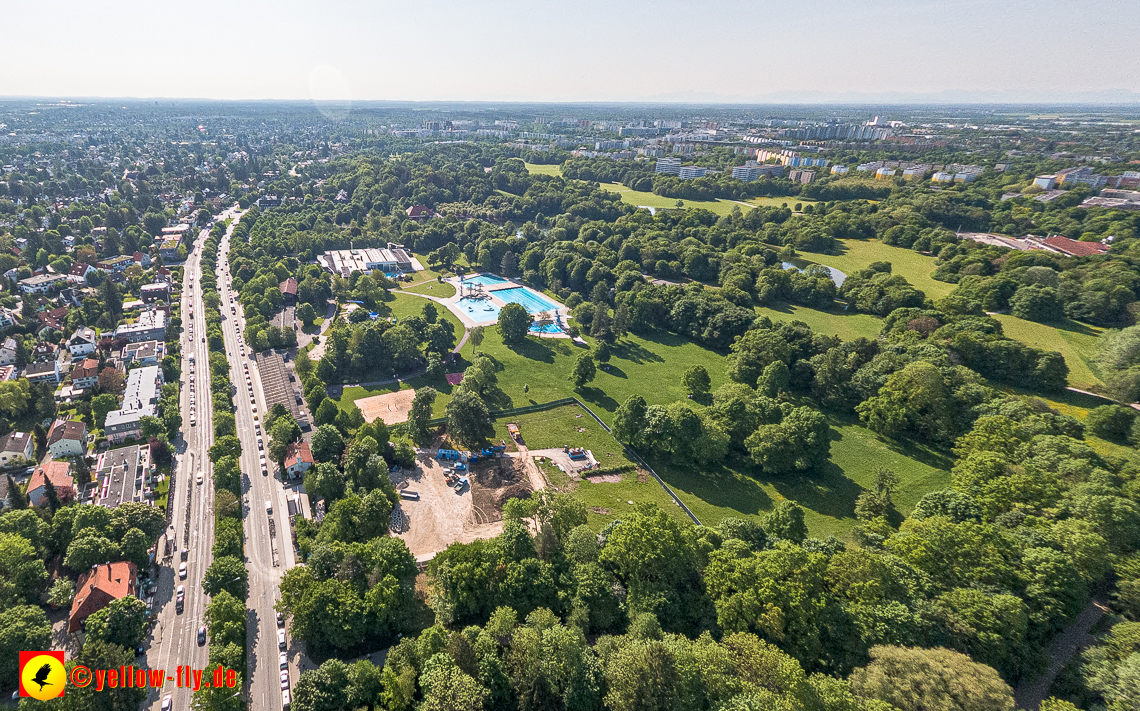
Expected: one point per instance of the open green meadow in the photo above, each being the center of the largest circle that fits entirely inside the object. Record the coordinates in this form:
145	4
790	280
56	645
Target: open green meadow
858	254
541	169
407	305
847	326
827	496
443	290
1077	342
638	198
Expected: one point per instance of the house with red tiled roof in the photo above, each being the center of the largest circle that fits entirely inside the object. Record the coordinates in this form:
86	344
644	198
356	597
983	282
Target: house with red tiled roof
1074	248
59	473
99	587
289	290
298	458
85	375
418	212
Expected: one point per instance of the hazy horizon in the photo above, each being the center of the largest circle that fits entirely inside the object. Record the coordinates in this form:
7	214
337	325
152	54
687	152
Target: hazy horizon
826	51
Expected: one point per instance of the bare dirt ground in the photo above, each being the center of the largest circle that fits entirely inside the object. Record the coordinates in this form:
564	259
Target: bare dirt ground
441	516
493	483
393	408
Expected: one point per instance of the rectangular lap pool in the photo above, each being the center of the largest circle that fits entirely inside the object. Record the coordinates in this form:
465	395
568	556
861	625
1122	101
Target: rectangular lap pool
485	280
529	300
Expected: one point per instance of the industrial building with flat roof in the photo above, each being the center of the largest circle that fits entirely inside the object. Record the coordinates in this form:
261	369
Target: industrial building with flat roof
392	260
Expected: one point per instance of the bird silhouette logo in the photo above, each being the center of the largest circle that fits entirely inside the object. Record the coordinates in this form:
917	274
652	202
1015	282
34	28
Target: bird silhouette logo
42	675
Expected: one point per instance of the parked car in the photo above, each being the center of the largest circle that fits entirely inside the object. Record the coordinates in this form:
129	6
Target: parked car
281	639
201	635
181	571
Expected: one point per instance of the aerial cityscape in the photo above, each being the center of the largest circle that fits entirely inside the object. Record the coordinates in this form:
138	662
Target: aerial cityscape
481	393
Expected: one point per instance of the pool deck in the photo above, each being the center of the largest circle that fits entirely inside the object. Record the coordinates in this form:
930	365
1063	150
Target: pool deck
469	320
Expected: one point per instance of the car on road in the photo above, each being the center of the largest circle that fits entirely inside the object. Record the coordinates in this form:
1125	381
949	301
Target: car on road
281	639
284	680
181	571
199	479
283	660
284	701
280	620
166	702
180	600
201	635
260	444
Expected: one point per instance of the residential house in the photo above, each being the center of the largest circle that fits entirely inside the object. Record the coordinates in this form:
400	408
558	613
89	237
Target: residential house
82	342
53	318
43	372
44	351
15	446
158	291
150	326
298	458
115	264
41	283
79	271
144	352
7	372
268	201
99	587
140	399
9	317
86	375
58	473
289	291
67	438
121	476
8	351
417	212
168	250
142	259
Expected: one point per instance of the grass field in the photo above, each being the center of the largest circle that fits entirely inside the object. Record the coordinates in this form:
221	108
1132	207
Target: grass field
543	169
432	288
1077	342
571	425
407	305
638	198
857	254
847	326
827	496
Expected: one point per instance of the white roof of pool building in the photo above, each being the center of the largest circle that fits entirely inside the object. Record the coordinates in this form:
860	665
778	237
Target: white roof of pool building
346	261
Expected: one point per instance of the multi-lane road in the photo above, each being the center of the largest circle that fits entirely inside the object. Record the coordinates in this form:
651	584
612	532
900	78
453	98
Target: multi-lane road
268	548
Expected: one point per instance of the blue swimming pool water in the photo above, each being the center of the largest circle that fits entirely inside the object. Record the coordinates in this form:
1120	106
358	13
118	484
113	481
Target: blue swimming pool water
530	301
479	309
548	328
485	280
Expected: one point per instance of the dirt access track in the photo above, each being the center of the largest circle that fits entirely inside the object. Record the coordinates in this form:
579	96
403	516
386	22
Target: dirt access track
442	517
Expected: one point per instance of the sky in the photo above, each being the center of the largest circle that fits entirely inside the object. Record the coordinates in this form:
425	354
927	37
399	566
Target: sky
810	51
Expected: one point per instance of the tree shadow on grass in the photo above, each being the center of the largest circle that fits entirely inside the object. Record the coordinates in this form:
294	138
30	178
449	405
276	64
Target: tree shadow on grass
716	485
598	397
1072	326
611	369
635	353
534	349
825	490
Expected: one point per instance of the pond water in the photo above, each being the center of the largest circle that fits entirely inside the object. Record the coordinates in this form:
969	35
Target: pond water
836	276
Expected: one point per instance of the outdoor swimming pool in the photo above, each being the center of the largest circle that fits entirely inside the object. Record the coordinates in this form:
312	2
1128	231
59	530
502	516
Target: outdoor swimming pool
478	309
485	280
529	300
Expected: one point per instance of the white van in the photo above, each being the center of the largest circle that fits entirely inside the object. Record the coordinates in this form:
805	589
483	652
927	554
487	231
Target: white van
285	700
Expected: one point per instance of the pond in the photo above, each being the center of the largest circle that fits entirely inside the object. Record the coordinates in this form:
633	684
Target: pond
836	276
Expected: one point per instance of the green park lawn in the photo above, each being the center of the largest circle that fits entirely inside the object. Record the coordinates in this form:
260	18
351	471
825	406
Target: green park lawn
573	426
847	326
432	288
638	198
541	169
1077	342
407	305
858	254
